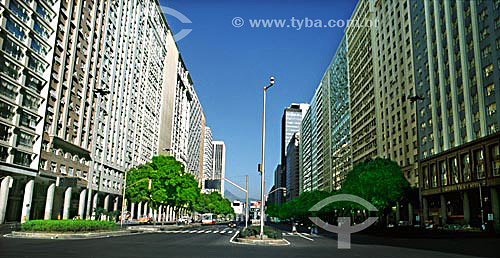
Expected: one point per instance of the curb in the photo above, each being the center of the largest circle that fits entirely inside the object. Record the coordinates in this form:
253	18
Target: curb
258	242
69	236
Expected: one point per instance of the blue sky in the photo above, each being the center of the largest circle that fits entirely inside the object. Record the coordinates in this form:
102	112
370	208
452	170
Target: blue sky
230	65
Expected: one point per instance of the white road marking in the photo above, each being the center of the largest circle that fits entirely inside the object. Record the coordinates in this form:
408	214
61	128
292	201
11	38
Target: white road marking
208	231
301	235
222	232
230	232
215	231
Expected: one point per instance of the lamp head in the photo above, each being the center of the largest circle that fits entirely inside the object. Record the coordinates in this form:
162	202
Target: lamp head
271	81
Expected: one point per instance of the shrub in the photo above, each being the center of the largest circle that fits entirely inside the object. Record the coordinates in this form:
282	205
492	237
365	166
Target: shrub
255	231
67	225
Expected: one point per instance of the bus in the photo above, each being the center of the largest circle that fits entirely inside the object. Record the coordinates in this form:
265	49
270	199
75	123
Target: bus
208	219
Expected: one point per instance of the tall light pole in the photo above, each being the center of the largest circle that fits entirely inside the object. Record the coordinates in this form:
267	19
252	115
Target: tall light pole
262	196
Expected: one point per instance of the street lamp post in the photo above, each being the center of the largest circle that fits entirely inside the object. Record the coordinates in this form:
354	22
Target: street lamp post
262	201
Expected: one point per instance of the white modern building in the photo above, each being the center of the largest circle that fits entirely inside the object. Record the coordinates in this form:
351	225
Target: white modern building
208	157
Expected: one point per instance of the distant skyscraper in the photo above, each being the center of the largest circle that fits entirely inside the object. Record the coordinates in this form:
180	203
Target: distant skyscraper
219	161
292	168
290	124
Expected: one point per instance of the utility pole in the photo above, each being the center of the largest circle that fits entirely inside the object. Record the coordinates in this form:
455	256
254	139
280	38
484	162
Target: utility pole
246	204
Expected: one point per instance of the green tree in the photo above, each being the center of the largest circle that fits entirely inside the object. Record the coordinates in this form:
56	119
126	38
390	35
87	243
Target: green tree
378	181
170	185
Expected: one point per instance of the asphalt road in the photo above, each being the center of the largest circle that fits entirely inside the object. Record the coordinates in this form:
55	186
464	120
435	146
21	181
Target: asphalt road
199	242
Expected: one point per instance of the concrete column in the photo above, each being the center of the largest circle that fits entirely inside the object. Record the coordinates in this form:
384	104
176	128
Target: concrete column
49	202
146	209
398	213
426	209
132	208
466	206
495	206
139	210
81	203
67	202
168	214
106	202
150	213
442	210
115	204
4	197
410	213
28	198
94	205
160	212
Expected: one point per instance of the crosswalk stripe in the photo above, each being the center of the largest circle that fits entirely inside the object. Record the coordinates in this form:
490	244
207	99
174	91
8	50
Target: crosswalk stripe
215	231
208	231
230	232
222	232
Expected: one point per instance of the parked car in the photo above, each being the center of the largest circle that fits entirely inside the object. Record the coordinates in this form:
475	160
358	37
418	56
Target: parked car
144	220
232	224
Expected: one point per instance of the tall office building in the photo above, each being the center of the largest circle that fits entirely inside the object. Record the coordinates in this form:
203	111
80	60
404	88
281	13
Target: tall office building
290	124
292	168
457	74
27	40
365	114
394	85
208	156
219	170
325	155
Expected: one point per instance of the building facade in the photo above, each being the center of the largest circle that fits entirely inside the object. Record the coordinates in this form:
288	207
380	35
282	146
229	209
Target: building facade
27	39
325	155
365	114
457	71
99	90
208	157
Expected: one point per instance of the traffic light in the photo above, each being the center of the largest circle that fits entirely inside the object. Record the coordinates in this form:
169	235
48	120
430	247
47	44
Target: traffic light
259	168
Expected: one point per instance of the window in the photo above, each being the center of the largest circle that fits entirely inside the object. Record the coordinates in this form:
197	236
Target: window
485	53
28	120
444	176
8	90
493	127
479	163
30	101
10	69
36	65
41	30
15	29
453	171
466	168
53	167
63	169
6	111
13	49
25	140
490	90
495	160
16	8
4	153
38	47
21	158
433	176
4	132
40	10
492	108
484	33
488	70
